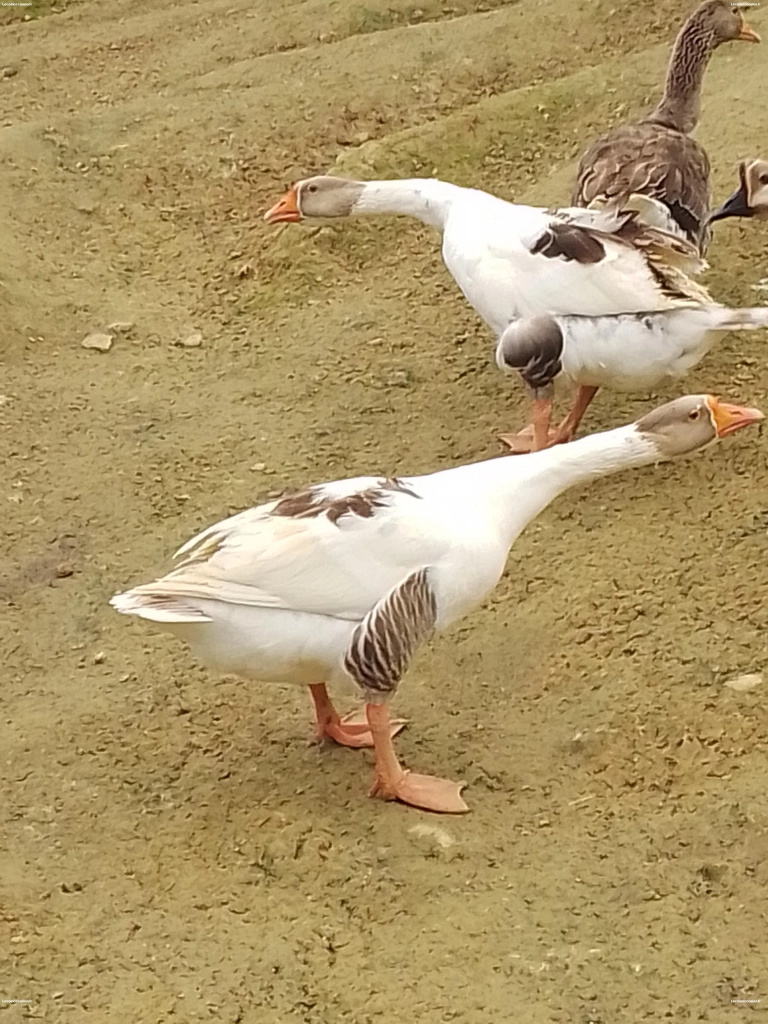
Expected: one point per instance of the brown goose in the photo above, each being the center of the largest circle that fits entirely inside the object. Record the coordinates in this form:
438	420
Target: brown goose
751	197
653	165
343	582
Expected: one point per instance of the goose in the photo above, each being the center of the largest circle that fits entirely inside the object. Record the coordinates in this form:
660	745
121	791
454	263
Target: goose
342	582
653	165
597	296
751	197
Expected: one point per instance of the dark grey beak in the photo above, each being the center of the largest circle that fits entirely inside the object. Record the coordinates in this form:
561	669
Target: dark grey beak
736	205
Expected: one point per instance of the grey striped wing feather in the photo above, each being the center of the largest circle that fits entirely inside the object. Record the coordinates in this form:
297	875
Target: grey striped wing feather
384	643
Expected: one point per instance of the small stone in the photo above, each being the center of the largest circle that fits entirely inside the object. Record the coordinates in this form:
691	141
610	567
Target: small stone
194	340
259	467
9	72
100	658
433	833
434	843
63	570
746	682
101	342
121	326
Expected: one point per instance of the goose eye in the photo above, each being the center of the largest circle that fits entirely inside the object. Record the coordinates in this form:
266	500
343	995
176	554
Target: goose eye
312	188
763	179
694	414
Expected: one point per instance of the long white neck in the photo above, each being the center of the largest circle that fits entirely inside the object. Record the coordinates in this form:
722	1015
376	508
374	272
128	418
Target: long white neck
518	487
427	199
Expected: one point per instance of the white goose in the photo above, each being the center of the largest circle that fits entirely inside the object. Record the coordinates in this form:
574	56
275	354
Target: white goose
344	581
598	296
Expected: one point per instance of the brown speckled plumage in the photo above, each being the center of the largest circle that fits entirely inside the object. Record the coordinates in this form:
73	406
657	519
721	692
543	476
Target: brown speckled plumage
653	160
655	157
384	643
313	502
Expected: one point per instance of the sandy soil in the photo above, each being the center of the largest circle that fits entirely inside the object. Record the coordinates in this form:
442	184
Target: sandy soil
174	849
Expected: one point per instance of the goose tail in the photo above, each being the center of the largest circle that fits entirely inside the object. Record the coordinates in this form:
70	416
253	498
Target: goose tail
157	606
748	319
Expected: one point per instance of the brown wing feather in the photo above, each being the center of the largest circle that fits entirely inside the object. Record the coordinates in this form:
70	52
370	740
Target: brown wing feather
650	159
670	258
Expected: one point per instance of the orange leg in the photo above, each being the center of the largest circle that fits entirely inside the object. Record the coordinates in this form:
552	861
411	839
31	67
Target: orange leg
570	424
538	435
393	782
350	731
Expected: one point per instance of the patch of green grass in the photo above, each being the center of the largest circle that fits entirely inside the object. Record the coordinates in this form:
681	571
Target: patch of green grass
365	20
517	138
366	17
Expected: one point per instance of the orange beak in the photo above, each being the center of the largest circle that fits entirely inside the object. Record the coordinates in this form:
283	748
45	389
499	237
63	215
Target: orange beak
748	35
285	210
730	418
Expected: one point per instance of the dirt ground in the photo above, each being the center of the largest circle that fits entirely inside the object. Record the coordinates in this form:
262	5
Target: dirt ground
173	847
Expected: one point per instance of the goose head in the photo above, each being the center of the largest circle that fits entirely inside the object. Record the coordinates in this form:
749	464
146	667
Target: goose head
721	22
322	197
693	422
712	23
751	197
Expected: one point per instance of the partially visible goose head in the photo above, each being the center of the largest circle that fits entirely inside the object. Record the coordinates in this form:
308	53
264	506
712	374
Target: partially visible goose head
323	197
751	197
693	422
720	22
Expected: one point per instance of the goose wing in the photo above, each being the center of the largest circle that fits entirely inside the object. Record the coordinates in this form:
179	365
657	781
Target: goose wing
332	550
595	262
653	160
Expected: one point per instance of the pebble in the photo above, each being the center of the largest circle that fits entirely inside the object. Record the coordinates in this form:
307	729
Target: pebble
194	340
434	842
121	326
101	342
438	835
746	682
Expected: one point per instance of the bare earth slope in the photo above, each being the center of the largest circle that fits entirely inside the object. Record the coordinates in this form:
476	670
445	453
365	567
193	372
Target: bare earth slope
173	848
